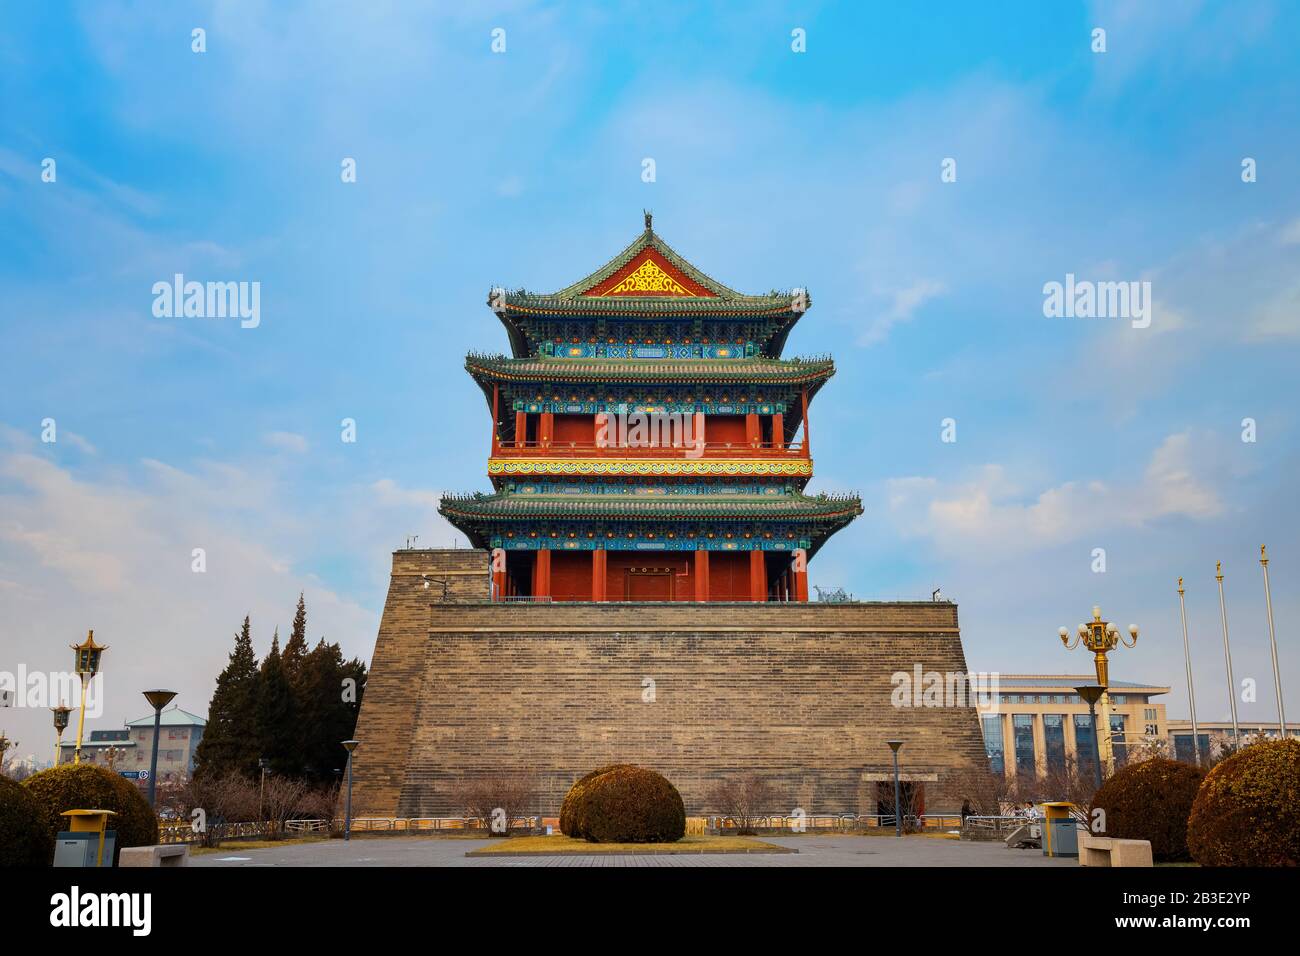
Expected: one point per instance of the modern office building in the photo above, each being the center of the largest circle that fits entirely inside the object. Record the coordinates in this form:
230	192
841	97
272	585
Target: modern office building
1038	724
1180	733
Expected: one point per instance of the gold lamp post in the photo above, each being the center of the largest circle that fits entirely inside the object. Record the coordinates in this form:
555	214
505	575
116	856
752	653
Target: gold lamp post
60	725
87	666
1101	637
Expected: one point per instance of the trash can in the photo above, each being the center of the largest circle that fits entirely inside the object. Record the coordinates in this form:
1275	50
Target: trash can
1060	832
87	841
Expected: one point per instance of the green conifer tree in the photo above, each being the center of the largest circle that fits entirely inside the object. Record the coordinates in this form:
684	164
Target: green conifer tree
230	741
295	650
277	723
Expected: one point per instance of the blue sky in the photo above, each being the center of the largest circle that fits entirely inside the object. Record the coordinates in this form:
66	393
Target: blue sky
774	169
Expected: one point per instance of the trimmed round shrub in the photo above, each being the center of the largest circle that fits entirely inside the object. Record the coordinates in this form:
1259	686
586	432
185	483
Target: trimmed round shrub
573	800
87	787
1151	800
24	839
1247	812
627	804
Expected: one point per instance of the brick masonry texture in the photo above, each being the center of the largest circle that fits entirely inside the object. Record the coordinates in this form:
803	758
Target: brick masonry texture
799	693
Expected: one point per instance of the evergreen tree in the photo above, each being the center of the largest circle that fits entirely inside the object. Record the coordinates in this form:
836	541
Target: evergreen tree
295	665
230	740
330	709
276	722
295	651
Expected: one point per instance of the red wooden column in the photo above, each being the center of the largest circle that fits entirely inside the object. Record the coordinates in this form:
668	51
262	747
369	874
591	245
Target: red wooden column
753	433
778	430
807	444
699	429
521	429
757	576
542	573
800	569
598	574
496	418
546	429
701	574
600	434
498	575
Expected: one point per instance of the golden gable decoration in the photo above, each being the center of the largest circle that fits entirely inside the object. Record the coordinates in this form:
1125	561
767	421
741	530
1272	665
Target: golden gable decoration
649	279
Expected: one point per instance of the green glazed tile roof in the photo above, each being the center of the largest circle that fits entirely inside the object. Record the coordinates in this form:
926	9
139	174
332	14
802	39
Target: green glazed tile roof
758	371
724	301
505	507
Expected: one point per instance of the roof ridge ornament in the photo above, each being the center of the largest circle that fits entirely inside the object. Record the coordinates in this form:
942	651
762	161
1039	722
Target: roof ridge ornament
649	218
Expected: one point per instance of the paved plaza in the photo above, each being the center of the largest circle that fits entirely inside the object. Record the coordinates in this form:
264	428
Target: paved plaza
813	851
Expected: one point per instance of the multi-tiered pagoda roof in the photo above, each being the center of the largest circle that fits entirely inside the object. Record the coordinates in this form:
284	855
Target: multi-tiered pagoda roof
649	441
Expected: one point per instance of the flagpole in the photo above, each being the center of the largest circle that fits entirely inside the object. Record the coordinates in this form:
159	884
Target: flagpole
1191	693
1227	657
1272	640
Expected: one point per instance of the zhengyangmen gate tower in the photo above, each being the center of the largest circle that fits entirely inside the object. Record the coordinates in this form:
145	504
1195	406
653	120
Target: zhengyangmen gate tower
637	586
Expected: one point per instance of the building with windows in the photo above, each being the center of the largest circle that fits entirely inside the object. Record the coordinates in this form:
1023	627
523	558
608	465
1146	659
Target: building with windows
1038	724
1180	734
102	747
178	738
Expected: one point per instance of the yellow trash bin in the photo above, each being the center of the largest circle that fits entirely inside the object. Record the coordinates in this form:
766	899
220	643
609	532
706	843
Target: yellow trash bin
1060	833
87	841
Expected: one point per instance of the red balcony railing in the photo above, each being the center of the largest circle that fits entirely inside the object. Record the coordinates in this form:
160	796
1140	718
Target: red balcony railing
559	448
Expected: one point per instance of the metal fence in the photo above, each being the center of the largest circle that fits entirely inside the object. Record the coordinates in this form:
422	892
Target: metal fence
181	831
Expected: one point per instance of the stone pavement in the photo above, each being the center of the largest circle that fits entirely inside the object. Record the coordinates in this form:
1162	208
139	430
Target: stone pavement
813	851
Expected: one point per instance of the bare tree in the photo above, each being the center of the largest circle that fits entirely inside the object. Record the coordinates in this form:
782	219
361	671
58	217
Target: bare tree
1067	782
222	799
911	797
321	803
495	801
282	800
745	799
985	790
1147	748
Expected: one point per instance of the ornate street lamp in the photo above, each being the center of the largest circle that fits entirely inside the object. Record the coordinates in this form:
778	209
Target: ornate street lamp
1101	637
111	755
895	746
1091	693
86	665
60	725
349	746
158	699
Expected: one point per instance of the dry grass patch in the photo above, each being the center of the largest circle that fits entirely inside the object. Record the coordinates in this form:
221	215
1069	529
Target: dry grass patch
559	845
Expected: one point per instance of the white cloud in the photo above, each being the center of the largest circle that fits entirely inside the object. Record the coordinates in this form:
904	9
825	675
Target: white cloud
388	493
903	304
988	513
112	551
79	443
286	441
1278	317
